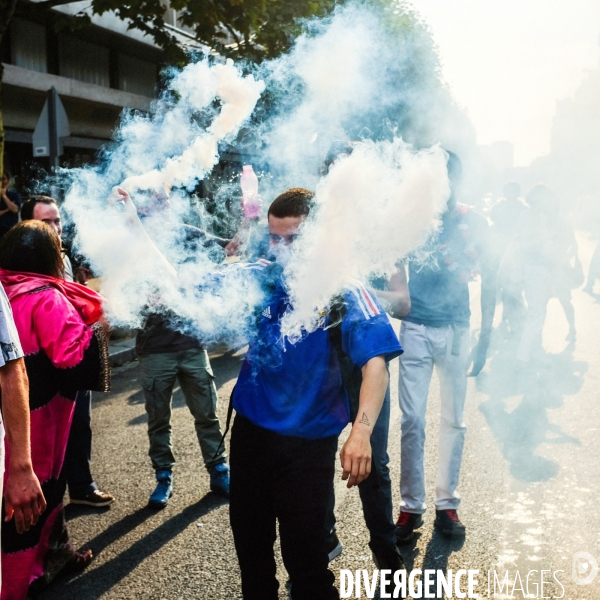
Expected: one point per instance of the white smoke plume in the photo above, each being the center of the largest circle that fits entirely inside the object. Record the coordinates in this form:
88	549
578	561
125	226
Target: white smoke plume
372	209
364	73
339	74
199	85
156	152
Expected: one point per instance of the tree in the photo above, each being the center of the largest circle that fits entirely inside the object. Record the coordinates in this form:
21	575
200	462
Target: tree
242	29
251	29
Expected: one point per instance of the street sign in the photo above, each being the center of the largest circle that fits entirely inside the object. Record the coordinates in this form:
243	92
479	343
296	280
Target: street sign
52	126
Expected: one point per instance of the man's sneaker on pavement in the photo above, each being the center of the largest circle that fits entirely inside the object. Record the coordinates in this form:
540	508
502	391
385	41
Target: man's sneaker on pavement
96	498
163	491
334	546
389	560
448	523
219	479
406	525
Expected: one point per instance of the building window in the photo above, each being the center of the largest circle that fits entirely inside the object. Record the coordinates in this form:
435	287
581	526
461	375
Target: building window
137	76
83	61
28	45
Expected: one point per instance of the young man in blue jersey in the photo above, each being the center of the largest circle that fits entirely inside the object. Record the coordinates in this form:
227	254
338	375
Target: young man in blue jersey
291	407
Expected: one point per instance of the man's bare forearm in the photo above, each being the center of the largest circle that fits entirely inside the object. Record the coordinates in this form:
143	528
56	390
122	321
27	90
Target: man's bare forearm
23	497
396	298
372	392
15	411
488	307
396	303
137	240
356	453
488	301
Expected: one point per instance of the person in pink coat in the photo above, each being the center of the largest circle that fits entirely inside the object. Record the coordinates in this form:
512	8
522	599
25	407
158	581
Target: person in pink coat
64	339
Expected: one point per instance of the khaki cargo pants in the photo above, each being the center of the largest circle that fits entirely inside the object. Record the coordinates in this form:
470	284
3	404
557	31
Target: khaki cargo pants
192	369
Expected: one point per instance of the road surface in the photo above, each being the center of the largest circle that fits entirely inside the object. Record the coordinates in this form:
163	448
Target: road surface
529	478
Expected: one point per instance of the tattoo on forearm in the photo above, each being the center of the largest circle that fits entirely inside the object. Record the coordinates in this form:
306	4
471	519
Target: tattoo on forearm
364	419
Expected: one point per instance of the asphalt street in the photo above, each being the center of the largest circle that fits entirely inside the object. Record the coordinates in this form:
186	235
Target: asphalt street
529	478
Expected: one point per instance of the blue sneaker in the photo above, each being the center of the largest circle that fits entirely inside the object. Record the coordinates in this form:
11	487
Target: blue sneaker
219	479
164	490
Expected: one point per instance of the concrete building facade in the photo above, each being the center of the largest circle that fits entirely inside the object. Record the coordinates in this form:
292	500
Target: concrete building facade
98	72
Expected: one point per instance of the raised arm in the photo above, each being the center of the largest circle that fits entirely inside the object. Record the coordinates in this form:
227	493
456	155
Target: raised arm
121	199
23	497
356	452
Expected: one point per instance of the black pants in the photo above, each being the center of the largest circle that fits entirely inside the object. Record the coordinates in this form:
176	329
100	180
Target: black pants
285	479
376	490
76	468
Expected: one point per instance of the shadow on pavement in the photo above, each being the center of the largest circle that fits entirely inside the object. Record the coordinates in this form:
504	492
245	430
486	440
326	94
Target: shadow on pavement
120	383
74	511
136	398
436	556
409	551
143	418
523	428
98	581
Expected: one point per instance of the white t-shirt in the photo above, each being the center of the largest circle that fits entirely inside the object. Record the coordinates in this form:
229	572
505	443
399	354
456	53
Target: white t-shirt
10	345
68	268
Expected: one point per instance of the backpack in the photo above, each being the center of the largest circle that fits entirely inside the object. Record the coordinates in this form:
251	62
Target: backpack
351	374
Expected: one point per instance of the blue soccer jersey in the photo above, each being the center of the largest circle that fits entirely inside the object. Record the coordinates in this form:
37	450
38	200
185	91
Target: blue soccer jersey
296	389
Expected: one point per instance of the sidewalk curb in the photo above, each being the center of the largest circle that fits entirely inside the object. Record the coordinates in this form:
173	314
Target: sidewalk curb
121	352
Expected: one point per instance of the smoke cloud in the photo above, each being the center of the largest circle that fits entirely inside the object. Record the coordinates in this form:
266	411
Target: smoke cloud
355	75
198	85
369	72
372	208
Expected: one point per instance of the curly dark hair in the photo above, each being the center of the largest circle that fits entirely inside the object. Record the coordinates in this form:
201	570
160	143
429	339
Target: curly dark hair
295	202
32	247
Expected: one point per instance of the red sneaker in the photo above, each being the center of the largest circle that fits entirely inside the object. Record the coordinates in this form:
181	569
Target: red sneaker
406	525
448	523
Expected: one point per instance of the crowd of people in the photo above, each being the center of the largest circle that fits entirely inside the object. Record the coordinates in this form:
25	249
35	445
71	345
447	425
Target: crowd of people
292	401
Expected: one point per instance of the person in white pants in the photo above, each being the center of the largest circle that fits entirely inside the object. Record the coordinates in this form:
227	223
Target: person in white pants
436	333
426	347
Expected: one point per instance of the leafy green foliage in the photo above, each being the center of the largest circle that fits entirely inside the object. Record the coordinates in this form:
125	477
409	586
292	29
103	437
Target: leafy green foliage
240	29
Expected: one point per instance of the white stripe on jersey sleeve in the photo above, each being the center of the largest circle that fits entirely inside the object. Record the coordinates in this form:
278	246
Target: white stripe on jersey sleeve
365	297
